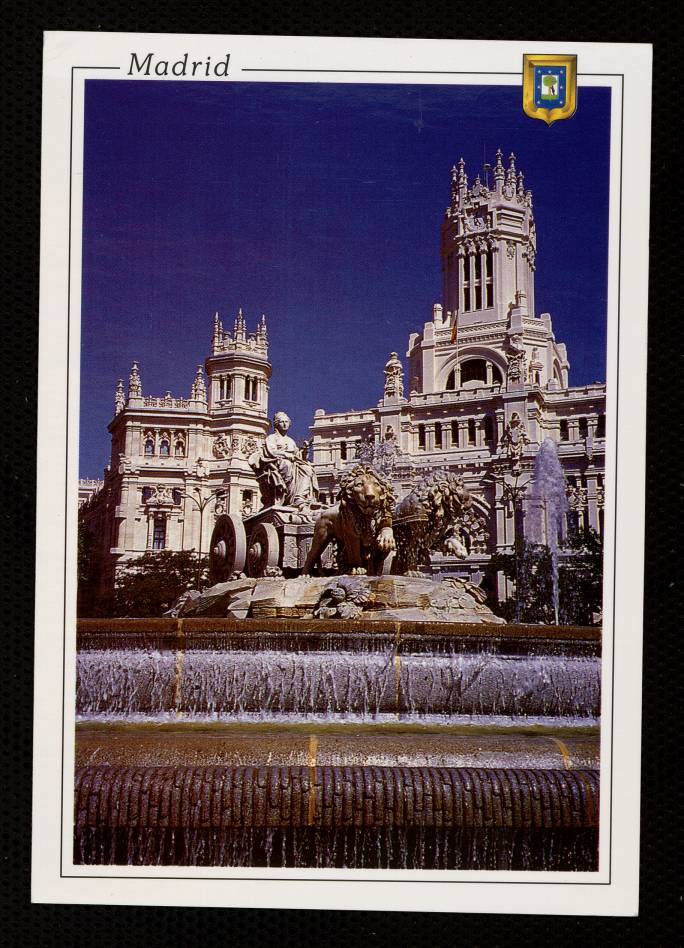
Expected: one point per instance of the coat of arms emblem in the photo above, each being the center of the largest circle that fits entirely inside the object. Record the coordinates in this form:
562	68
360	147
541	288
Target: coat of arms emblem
549	87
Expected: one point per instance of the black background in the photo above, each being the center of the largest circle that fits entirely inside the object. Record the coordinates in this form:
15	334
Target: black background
659	921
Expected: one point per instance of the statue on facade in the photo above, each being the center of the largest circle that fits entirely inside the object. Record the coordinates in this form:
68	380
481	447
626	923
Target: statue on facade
285	475
514	438
516	358
394	377
386	453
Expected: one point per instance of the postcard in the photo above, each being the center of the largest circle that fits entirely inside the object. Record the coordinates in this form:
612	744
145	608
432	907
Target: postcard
341	473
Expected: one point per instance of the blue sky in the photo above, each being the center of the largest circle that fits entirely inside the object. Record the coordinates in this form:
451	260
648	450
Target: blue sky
320	205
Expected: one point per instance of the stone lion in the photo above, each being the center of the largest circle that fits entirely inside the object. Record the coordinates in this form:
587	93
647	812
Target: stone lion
428	519
360	523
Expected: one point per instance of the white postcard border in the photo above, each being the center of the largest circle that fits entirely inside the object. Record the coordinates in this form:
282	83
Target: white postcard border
69	59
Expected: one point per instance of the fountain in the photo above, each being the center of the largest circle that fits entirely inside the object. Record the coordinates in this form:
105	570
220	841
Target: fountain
351	721
547	506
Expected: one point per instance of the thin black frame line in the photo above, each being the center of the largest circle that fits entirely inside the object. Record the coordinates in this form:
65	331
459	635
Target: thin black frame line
66	440
307	878
389	72
409	72
345	879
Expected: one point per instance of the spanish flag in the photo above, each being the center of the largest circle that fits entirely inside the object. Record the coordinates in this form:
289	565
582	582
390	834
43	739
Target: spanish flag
454	328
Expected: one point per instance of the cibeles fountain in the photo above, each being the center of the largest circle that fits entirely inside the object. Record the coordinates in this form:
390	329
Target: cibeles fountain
324	703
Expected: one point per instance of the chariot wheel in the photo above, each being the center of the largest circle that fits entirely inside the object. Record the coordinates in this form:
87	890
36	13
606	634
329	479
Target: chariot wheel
228	548
263	551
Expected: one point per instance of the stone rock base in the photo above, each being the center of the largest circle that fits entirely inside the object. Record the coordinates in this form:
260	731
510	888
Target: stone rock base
345	597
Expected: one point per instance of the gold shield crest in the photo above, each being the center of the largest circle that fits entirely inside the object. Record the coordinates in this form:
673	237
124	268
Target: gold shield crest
549	87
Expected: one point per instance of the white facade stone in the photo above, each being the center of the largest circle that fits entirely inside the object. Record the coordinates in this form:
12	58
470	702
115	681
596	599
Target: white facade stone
482	357
172	456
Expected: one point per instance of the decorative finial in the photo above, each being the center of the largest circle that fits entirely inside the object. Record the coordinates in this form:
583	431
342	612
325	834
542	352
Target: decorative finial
510	175
199	389
134	382
521	184
262	332
119	397
239	326
498	171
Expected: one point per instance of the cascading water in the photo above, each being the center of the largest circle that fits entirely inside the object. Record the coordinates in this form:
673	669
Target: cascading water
316	744
546	508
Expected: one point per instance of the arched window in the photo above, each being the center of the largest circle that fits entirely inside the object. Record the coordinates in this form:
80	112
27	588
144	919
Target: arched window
164	448
583	427
149	447
176	494
472	431
488	426
421	437
179	449
438	435
601	426
473	370
454	433
564	430
451	381
343	450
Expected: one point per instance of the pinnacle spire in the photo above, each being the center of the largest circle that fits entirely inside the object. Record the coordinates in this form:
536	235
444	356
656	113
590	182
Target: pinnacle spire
134	382
510	175
262	332
119	397
498	171
199	389
239	326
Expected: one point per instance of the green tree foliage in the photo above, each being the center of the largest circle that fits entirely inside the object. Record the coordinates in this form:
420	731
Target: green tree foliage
580	581
152	582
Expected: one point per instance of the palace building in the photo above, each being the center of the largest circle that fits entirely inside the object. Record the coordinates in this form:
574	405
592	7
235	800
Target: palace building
178	463
486	383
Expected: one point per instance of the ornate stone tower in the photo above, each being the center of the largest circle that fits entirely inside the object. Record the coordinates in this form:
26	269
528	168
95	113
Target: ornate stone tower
238	371
488	243
485	332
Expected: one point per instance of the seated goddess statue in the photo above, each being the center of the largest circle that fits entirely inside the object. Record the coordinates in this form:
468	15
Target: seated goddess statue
284	474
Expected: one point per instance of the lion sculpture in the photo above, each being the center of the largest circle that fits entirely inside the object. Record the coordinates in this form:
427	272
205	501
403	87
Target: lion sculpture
428	519
360	523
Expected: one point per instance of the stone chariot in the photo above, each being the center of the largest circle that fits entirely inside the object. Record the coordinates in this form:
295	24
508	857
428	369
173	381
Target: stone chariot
275	541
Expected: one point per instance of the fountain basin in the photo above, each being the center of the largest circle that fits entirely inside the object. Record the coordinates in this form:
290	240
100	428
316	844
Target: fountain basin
374	817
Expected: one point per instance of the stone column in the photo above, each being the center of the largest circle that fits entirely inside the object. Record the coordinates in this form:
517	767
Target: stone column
461	271
490	373
429	437
238	389
592	508
500	416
